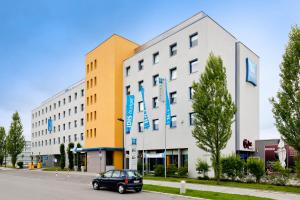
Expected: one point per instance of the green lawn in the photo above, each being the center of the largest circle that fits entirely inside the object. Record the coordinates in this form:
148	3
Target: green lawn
202	194
293	189
51	169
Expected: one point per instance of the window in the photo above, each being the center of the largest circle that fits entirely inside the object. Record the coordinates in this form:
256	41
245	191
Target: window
173	97
173	49
91	98
81	121
87	68
58	103
155	79
193	65
69	125
54	105
155	102
95	132
141	106
58	128
127	70
173	73
64	100
64	139
95	115
54	141
193	40
82	92
69	111
95	81
64	114
108	174
64	126
82	107
87	117
46	142
75	109
173	121
91	132
91	66
91	114
87	133
140	126
75	123
191	92
75	95
95	98
69	137
192	118
140	84
128	90
155	124
81	136
70	98
75	137
156	58
91	83
87	100
141	65
95	64
116	174
58	139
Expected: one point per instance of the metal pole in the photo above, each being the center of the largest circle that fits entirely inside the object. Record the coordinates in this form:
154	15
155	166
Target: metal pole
124	150
165	151
143	154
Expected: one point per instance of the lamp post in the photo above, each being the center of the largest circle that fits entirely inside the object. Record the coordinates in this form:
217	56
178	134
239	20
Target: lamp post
123	138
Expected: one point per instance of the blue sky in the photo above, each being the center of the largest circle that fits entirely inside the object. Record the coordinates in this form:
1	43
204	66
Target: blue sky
43	43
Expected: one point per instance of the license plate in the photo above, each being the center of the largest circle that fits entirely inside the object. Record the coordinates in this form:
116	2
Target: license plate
136	181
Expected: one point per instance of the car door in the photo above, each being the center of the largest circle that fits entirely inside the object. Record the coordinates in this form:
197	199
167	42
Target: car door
105	179
115	178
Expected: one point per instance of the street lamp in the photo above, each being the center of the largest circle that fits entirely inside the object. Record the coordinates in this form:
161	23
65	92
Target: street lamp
124	152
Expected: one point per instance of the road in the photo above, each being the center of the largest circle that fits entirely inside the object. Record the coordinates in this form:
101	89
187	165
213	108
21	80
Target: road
35	185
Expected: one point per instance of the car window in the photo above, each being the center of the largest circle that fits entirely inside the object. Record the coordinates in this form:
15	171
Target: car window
116	174
132	174
107	174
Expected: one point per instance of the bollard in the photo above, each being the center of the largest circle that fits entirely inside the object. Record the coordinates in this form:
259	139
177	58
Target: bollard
182	187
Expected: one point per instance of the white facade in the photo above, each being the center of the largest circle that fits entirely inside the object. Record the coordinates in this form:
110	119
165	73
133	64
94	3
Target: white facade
66	111
195	39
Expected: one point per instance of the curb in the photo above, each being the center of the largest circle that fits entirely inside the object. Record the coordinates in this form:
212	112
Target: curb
176	195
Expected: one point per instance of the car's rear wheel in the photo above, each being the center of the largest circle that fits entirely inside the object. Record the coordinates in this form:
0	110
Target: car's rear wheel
96	186
121	189
138	189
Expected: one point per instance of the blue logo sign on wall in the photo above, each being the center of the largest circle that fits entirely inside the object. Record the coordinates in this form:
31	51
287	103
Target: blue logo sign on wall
251	72
133	141
50	125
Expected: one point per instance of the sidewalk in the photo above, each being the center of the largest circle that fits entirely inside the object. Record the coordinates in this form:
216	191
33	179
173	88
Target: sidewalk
230	190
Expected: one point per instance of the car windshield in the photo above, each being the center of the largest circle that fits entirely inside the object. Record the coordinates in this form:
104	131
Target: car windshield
133	174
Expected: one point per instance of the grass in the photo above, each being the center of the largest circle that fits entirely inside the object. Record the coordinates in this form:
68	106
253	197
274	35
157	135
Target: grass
292	189
51	169
202	194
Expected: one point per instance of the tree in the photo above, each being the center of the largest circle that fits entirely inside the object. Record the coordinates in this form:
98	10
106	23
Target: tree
71	155
214	111
62	156
77	157
286	107
15	140
2	145
256	167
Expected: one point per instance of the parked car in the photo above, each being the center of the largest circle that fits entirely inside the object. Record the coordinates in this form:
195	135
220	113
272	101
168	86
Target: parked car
120	180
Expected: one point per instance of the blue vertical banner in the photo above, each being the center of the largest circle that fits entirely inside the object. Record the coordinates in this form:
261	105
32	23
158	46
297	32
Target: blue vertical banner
129	112
168	108
146	120
49	125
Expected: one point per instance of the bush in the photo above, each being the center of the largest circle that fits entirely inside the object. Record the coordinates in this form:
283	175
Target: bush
71	155
182	172
256	167
297	165
62	156
202	168
172	170
159	170
20	164
232	167
140	167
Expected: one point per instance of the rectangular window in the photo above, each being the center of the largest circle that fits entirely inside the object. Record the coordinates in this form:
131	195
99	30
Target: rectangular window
64	100
82	121
95	98
173	73
192	118
75	123
69	125
155	102
193	40
70	98
58	105
81	136
64	126
82	107
173	121
173	49
141	106
140	126
87	68
58	140
87	117
156	58
155	79
127	71
140	84
194	65
54	105
75	109
64	114
155	125
75	95
82	92
87	100
95	132
95	81
69	111
128	90
191	92
141	65
75	137
95	115
69	137
173	97
64	139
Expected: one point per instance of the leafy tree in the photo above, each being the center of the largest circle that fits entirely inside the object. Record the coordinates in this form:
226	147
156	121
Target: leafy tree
77	157
62	156
214	111
2	145
71	155
202	167
232	166
256	167
286	107
15	140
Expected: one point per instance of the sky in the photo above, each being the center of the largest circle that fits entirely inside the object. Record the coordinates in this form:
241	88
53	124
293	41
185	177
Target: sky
43	43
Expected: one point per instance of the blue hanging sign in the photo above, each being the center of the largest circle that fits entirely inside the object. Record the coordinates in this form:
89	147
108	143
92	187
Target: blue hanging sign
251	72
49	125
168	108
146	120
129	112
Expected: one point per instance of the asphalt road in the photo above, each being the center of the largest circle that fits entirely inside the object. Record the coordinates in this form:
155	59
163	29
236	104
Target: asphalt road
34	185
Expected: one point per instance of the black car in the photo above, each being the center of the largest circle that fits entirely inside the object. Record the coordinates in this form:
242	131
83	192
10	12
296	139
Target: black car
121	180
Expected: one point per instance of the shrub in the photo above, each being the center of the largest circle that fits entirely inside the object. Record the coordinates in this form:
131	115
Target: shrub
182	172
159	170
62	156
20	164
256	167
71	155
232	167
171	170
297	165
202	167
140	167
